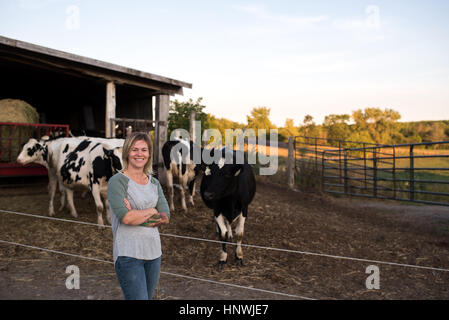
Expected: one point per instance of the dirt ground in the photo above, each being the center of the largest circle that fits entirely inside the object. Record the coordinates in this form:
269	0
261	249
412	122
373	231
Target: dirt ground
278	218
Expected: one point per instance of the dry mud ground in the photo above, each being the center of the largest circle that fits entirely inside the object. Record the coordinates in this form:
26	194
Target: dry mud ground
278	218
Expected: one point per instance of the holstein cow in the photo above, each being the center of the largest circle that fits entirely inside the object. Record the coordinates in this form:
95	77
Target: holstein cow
46	152
90	165
95	165
228	187
179	163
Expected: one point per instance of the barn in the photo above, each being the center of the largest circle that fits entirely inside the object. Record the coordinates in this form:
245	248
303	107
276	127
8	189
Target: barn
93	97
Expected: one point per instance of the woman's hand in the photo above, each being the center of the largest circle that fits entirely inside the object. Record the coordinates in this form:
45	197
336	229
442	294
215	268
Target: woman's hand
138	217
164	219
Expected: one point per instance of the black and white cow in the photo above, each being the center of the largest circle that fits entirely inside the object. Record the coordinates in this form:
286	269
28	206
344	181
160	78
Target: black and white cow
90	165
46	152
77	162
228	187
179	163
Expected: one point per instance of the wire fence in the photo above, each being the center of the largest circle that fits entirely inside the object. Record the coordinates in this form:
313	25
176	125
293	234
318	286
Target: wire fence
301	252
251	288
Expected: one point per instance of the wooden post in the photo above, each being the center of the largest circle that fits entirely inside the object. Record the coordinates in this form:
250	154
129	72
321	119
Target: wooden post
109	125
192	125
160	137
291	163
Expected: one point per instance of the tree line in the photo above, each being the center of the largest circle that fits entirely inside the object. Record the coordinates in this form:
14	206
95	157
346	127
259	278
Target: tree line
370	125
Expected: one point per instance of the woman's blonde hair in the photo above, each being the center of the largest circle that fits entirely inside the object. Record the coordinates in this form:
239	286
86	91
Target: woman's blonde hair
129	142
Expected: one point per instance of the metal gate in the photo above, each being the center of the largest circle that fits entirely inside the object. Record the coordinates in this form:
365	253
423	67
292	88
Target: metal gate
417	172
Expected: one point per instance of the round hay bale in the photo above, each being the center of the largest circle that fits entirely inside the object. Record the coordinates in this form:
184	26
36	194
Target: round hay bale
14	110
12	138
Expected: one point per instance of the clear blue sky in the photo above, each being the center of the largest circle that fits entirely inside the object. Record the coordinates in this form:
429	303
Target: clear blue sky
295	57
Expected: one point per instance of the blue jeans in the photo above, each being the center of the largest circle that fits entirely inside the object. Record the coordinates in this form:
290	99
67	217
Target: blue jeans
138	278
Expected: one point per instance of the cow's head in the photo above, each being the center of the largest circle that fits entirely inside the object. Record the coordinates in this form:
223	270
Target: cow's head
114	159
33	151
221	180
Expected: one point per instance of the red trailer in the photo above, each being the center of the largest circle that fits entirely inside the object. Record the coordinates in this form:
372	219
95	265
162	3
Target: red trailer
13	136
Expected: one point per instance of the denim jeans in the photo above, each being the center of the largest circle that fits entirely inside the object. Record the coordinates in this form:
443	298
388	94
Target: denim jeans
138	278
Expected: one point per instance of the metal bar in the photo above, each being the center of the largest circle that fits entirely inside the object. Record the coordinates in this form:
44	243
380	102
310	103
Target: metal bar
388	198
416	180
405	157
394	172
333	185
403	145
330	139
339	160
444	194
412	175
375	172
345	163
331	177
406	169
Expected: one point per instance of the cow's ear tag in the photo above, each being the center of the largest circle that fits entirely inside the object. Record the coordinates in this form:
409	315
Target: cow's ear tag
237	173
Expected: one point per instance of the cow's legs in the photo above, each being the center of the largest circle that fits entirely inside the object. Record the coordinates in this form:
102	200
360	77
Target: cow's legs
52	184
239	229
69	194
222	232
63	196
183	181
192	185
98	203
104	196
170	189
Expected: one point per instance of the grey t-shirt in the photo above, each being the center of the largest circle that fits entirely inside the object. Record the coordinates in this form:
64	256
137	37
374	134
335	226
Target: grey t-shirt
138	242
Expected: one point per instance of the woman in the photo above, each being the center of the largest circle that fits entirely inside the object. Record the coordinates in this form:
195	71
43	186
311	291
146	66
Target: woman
138	206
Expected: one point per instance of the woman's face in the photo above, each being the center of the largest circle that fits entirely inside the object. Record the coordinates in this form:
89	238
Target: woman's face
139	154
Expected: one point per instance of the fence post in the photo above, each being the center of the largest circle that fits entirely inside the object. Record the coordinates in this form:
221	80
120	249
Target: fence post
412	175
394	172
345	164
323	166
364	164
375	172
192	125
339	161
291	163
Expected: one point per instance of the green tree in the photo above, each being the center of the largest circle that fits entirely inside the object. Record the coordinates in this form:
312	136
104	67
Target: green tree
179	114
288	130
380	124
221	124
260	119
337	127
309	128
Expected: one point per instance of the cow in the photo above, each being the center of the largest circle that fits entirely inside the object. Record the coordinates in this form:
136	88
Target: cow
78	162
90	165
228	187
46	152
179	163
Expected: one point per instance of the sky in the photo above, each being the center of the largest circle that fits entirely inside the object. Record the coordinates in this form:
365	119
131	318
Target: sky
295	57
